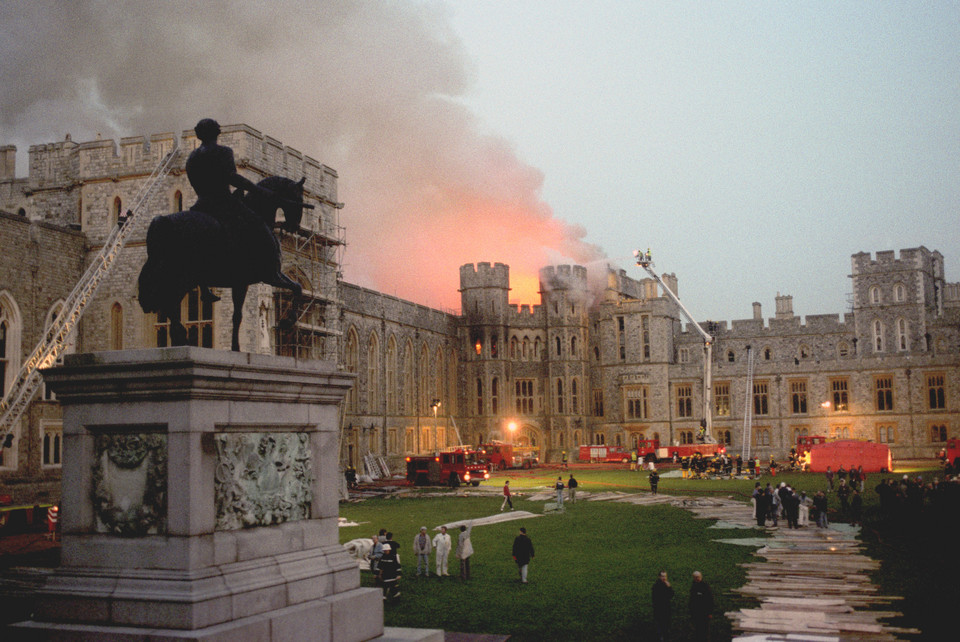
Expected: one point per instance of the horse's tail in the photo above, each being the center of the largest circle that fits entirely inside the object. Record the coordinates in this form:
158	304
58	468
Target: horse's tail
154	283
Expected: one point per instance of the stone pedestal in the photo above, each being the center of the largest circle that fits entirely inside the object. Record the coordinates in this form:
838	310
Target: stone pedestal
200	494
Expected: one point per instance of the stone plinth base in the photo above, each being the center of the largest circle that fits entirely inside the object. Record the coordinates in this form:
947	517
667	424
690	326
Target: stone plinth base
200	502
338	618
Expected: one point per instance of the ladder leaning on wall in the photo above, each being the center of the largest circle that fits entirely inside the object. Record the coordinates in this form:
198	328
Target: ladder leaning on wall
55	339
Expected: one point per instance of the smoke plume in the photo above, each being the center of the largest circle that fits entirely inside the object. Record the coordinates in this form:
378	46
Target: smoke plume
368	88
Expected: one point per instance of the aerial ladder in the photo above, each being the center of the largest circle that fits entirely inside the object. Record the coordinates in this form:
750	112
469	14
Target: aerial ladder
706	424
748	405
56	338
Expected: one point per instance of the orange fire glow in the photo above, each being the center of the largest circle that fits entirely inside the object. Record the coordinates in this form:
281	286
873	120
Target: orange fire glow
524	288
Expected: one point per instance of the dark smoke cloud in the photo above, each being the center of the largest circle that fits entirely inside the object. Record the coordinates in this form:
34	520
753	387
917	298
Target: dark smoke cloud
368	88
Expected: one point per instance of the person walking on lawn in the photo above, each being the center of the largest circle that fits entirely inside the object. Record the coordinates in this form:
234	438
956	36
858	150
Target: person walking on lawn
522	553
506	496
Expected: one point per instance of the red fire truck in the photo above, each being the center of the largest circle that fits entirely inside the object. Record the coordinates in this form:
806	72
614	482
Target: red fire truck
647	450
951	453
689	450
604	454
501	455
804	442
451	467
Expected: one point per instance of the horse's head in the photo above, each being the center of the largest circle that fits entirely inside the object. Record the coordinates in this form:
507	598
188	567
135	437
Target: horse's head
291	202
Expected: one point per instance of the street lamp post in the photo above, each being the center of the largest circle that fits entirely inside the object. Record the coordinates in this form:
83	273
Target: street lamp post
435	404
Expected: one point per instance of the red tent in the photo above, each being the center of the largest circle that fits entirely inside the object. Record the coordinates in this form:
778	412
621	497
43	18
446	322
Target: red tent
851	453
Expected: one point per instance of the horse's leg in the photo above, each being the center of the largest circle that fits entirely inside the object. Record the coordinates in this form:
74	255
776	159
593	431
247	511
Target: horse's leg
178	333
283	281
239	296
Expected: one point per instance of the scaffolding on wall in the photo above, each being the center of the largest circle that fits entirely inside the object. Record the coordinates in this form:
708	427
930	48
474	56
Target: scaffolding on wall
308	327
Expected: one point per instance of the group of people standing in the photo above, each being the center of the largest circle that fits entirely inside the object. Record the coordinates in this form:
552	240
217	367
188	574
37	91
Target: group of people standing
785	502
441	544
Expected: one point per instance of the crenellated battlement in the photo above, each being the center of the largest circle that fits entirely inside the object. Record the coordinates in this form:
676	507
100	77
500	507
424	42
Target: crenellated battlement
65	162
563	277
886	260
483	275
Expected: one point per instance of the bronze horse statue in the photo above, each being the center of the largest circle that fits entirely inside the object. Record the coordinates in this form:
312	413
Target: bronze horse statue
192	248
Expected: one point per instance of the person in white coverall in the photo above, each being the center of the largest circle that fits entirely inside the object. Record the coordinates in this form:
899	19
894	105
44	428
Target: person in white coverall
442	545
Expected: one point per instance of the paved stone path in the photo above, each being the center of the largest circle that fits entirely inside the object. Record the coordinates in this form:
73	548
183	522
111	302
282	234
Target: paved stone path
812	583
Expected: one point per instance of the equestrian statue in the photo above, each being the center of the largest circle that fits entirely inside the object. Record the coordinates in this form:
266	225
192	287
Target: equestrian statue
224	240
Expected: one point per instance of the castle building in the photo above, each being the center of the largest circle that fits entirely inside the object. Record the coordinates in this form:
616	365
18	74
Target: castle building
609	363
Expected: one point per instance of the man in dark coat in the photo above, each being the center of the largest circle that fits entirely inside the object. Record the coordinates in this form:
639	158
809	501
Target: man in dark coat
701	607
662	593
522	553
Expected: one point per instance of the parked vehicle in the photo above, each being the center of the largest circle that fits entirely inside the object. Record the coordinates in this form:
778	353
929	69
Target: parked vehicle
451	467
951	453
500	455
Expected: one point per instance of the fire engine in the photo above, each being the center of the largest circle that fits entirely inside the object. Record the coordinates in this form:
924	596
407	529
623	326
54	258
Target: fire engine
451	467
647	450
604	454
952	452
500	455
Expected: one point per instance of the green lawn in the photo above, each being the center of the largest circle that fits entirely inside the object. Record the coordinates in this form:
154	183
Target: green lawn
596	562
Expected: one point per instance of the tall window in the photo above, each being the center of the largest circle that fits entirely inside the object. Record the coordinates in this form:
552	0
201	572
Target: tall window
874	295
524	389
391	386
938	432
684	355
573	346
621	340
762	436
407	383
886	433
575	396
936	395
684	400
645	336
373	374
52	445
197	318
878	336
116	210
884	387
559	398
9	342
761	403
840	432
116	327
798	395
479	396
351	360
423	380
721	399
4	360
899	293
902	334
559	347
495	395
178	201
452	383
839	388
635	400
598	402
438	379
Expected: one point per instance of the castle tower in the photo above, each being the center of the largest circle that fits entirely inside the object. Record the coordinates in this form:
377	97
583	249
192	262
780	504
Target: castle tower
565	300
484	292
894	300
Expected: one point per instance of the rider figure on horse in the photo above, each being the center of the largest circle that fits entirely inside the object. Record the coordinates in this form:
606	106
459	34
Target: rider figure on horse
211	171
